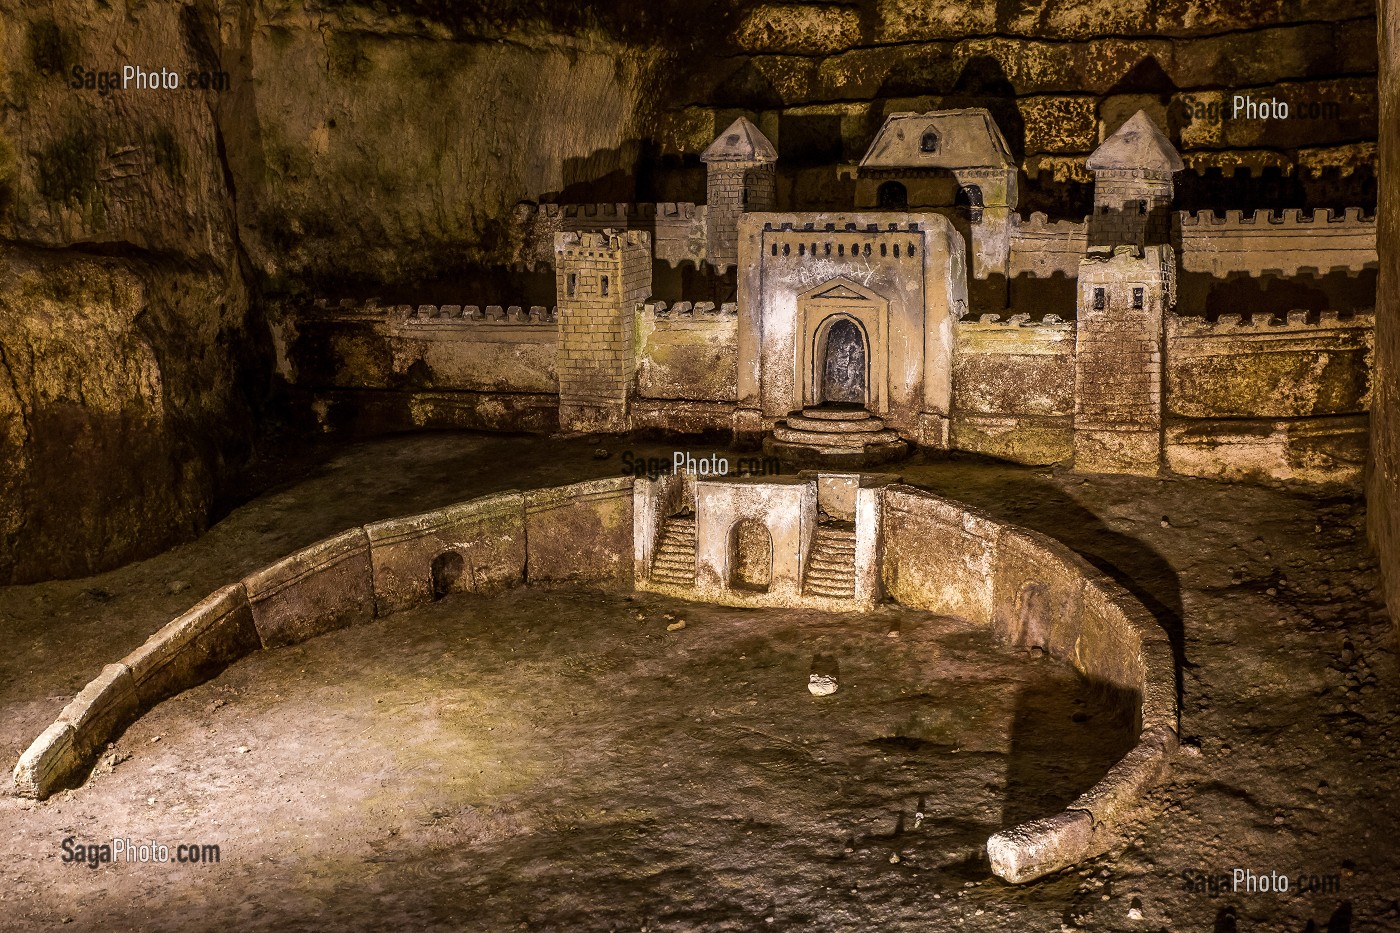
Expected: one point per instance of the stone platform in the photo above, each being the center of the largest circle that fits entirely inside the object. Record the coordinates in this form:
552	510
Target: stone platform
832	436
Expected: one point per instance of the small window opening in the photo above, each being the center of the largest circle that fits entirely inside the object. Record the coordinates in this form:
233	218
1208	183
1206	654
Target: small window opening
929	142
605	286
1137	298
1098	299
572	287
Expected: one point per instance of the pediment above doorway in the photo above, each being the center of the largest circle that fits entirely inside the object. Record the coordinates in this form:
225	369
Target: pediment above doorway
840	289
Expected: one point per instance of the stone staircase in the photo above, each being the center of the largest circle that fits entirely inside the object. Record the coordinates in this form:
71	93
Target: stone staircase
674	561
831	571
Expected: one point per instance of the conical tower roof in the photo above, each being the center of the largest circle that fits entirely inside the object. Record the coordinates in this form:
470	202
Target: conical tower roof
742	142
1137	144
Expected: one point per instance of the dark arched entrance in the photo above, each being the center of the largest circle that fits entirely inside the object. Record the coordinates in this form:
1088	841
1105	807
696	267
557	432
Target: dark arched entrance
843	364
892	196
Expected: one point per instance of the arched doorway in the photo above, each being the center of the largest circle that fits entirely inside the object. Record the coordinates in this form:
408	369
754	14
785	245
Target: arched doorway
969	202
892	196
844	364
750	556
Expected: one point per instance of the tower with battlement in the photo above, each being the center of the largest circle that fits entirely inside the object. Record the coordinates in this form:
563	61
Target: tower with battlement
1127	284
741	166
602	278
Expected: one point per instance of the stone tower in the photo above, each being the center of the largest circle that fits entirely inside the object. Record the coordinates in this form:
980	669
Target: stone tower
602	279
1133	172
741	165
1127	284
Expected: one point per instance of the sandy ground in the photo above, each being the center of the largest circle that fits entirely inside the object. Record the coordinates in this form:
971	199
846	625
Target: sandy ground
547	759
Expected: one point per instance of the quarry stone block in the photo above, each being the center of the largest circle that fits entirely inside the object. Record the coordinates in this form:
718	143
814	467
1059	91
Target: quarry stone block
326	586
49	762
474	547
1031	850
1038	592
106	706
194	647
580	533
1113	799
959	582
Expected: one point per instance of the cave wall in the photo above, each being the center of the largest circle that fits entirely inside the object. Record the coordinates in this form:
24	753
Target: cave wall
124	340
1383	485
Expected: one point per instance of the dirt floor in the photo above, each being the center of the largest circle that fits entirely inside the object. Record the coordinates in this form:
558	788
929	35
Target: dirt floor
548	760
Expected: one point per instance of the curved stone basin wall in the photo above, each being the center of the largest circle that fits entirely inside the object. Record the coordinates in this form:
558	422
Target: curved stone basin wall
936	555
1034	591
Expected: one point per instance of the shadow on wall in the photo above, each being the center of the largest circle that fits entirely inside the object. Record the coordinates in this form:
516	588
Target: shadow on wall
1202	293
1131	563
1061	744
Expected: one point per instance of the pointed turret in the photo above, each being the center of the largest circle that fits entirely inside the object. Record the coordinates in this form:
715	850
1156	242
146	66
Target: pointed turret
1133	191
741	165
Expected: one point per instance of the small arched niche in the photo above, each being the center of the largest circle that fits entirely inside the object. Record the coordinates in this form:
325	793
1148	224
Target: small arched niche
750	556
446	571
892	196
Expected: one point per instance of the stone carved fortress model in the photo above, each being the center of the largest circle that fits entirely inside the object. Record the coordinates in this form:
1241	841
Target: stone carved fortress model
1138	340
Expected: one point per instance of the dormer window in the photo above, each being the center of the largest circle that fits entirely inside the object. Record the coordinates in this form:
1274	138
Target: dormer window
929	143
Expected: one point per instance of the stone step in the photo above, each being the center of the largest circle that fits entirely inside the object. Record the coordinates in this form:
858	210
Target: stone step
824	425
835	543
831	592
835	414
828	565
833	578
674	560
674	545
675	541
841	441
678	579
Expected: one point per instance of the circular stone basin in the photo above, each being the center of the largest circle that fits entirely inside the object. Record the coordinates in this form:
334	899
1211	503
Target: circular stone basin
558	759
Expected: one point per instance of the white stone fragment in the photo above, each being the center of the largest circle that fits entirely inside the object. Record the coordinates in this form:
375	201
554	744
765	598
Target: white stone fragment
821	685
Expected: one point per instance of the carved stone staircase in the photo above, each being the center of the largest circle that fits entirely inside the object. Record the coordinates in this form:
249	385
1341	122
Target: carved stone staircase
674	561
831	571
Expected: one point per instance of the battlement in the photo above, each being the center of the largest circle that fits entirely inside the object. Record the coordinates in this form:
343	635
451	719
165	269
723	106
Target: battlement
1267	323
471	314
1351	218
590	242
411	315
626	213
1016	320
685	309
1039	224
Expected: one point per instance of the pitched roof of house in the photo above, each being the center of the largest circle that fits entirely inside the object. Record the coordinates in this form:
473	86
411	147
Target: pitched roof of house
1138	143
965	139
742	142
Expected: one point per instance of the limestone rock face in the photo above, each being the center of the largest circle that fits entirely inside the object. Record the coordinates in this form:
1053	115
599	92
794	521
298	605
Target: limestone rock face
116	403
1383	482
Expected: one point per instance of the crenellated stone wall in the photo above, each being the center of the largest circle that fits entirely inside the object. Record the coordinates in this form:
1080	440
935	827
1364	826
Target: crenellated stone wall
1013	389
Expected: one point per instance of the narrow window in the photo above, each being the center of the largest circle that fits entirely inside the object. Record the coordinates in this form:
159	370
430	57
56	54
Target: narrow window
744	198
801	249
1142	207
1137	298
787	249
884	249
828	249
605	286
865	250
896	251
929	143
840	249
572	285
911	249
1098	299
775	249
